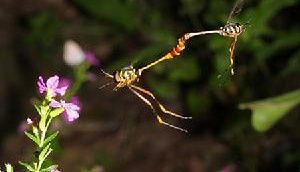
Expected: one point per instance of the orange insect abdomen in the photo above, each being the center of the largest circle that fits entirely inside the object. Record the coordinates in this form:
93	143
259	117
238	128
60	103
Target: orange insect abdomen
179	47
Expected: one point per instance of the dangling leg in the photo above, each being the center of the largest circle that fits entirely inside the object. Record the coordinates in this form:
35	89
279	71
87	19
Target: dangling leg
157	116
231	50
160	105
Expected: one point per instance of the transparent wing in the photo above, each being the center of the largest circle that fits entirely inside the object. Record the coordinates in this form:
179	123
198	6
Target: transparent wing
237	8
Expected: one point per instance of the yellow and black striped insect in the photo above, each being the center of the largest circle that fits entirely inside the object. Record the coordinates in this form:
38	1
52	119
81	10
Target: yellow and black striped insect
232	30
129	76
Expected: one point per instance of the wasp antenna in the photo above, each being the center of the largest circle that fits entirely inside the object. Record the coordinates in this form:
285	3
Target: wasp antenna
106	74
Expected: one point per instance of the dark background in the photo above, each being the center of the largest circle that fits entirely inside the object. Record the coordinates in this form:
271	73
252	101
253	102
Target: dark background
117	131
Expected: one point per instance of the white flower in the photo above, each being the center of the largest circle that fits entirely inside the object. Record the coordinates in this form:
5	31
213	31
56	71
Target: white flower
73	53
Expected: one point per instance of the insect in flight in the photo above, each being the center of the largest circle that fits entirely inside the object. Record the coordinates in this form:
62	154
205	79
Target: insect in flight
232	30
129	76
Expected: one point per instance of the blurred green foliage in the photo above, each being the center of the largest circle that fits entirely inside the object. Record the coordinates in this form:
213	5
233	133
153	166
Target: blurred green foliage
125	32
143	31
268	111
123	14
44	31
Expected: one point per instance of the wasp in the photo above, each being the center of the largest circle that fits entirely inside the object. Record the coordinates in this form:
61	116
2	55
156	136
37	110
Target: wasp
129	76
232	30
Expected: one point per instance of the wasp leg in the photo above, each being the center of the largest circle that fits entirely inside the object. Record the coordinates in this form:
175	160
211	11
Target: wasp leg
160	105
157	116
231	50
105	85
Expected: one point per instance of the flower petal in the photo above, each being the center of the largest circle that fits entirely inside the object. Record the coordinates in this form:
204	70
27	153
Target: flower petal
41	85
61	90
71	114
91	58
72	106
55	104
52	82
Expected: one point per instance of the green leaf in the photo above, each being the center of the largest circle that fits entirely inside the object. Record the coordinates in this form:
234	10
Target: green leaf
42	123
45	152
51	137
37	109
269	111
51	167
56	112
32	137
44	110
29	167
9	168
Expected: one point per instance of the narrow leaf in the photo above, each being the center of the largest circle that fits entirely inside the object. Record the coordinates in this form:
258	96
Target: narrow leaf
51	137
56	112
42	123
32	137
37	109
269	111
27	166
52	167
46	155
9	168
44	152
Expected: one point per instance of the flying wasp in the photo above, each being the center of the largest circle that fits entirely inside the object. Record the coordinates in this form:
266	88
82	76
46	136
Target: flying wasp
129	76
232	30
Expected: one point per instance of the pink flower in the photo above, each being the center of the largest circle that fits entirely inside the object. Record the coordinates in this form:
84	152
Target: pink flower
55	170
51	86
74	100
65	82
71	110
91	58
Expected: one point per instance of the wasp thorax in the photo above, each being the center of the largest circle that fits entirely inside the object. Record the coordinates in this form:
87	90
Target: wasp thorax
126	75
231	29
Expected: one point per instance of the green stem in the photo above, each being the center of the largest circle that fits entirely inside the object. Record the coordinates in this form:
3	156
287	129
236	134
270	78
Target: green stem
43	137
80	78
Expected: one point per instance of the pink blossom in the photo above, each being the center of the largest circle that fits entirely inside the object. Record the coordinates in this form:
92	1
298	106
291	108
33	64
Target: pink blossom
74	100
51	86
71	110
65	82
55	170
91	58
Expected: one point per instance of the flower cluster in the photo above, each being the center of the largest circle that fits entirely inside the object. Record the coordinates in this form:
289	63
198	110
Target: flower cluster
53	88
74	55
